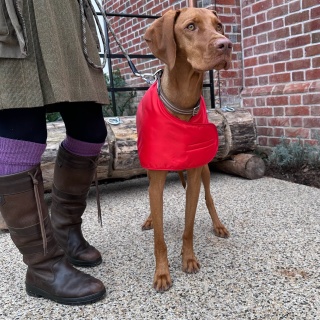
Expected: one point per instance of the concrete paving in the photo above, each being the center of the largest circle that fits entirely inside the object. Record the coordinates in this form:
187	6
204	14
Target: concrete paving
269	268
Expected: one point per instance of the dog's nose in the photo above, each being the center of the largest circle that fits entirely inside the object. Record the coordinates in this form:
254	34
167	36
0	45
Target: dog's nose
223	45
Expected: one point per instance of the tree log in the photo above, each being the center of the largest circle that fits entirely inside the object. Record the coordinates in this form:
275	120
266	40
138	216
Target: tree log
119	156
245	165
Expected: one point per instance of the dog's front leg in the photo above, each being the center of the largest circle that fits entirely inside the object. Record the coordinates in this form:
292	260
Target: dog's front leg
189	261
162	280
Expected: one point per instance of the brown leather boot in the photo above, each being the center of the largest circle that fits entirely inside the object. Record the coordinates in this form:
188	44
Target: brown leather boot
49	273
73	176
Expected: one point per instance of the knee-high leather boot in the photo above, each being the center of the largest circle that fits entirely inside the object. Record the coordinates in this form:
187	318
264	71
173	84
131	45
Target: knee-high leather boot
49	273
73	176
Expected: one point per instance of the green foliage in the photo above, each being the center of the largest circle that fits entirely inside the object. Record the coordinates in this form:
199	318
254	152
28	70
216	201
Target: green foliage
124	99
54	116
294	155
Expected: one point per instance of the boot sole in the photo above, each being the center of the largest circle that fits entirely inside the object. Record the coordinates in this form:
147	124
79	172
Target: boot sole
39	293
86	264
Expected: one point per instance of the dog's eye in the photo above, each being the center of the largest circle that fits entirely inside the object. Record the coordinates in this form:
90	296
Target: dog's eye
191	27
219	27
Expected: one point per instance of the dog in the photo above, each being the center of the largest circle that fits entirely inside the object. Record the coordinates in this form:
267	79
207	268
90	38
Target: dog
173	129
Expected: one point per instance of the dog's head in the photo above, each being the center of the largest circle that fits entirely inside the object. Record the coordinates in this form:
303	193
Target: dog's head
193	34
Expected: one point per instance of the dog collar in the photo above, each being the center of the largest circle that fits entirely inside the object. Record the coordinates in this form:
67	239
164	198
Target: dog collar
194	111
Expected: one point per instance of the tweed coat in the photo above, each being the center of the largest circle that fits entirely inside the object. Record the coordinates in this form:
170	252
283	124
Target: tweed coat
45	64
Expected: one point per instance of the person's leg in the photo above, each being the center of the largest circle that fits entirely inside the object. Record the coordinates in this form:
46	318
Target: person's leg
23	136
73	174
49	274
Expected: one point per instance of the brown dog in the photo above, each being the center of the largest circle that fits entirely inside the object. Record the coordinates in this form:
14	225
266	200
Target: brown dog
189	42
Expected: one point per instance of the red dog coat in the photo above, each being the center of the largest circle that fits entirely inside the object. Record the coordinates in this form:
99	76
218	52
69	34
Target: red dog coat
167	143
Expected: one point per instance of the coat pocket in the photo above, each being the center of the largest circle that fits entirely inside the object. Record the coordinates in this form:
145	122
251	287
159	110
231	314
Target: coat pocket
12	30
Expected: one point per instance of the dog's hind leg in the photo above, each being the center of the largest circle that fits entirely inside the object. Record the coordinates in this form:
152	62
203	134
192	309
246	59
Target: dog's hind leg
218	228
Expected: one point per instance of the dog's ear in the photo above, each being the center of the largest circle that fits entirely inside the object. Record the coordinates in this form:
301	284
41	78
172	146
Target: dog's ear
215	13
160	38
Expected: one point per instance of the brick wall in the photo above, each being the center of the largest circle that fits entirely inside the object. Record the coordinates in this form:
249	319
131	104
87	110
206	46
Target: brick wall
276	59
281	65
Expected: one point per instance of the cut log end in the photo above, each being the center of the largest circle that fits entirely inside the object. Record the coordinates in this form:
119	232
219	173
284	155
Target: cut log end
248	166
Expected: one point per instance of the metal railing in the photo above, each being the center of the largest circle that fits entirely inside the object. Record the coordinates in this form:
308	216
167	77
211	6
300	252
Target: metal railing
111	87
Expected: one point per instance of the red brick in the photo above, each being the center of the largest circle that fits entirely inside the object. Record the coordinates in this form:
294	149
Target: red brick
261	6
297	111
295	100
279	78
273	141
278	111
296	122
264	131
251	82
248	22
298	76
278	132
312	25
278	89
265	48
298	41
297	132
312	50
295	6
296	29
278	122
248	102
277	12
313	74
260	18
248	72
298	64
315	12
278	34
279	67
262	38
279	23
315	110
311	122
261	121
297	53
263	59
262	141
300	87
250	62
313	98
262	111
261	102
277	101
314	86
297	17
261	28
280	45
309	3
263	80
250	41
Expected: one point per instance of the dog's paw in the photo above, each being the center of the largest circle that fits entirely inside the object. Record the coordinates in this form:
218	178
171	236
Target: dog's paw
221	231
147	225
162	282
190	265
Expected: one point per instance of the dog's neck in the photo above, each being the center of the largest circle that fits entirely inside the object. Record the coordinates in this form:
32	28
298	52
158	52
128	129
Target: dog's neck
182	87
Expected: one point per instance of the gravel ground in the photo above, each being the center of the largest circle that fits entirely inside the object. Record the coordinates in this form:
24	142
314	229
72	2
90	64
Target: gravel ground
269	268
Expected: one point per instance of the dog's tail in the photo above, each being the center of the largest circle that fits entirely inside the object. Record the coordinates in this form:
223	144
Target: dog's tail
182	179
